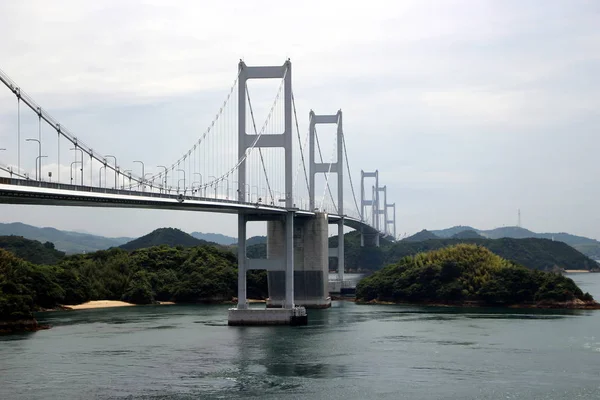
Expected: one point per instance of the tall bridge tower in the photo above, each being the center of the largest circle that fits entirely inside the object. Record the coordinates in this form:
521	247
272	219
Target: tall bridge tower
326	168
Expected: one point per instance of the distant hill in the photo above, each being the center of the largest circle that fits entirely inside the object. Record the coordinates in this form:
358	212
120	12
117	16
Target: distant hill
514	232
256	240
449	232
468	234
542	254
31	250
167	236
215	238
587	246
420	236
69	242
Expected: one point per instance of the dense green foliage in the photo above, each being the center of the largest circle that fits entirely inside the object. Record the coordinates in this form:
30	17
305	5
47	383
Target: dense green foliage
539	254
164	236
24	287
465	273
31	250
160	273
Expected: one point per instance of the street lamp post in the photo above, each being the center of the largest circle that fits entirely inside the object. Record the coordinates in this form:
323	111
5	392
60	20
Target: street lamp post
76	148
143	175
181	170
166	171
116	169
100	176
148	173
124	172
71	169
214	181
38	157
199	187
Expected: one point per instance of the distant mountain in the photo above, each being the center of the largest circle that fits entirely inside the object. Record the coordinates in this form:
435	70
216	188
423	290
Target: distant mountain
513	232
31	250
69	242
468	234
587	246
215	238
420	236
449	232
532	253
167	236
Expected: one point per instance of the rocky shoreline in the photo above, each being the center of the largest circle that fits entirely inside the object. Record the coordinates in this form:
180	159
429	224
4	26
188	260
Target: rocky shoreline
566	305
21	325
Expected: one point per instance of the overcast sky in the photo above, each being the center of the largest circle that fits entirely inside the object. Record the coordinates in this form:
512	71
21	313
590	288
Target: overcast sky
470	110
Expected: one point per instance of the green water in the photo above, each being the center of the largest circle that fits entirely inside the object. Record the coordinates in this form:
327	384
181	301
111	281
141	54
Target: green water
347	352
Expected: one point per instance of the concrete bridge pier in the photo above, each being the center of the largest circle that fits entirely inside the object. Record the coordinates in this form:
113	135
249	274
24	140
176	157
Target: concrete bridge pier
283	263
311	268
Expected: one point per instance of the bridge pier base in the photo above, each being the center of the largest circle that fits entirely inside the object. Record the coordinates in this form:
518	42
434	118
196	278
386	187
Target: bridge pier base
311	270
282	262
267	316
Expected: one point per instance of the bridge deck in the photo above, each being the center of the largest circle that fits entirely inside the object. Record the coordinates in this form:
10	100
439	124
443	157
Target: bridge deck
20	191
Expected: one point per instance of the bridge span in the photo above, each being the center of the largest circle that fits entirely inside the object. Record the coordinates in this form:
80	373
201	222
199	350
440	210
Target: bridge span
268	186
31	192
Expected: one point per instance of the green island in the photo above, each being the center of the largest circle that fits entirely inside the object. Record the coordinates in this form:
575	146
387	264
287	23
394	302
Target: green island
468	274
179	274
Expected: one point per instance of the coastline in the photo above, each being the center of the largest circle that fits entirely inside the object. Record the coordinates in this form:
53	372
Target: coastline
104	304
117	303
567	305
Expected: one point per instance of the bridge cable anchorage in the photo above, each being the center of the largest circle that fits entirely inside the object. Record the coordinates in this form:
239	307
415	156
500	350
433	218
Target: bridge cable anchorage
327	187
301	149
262	161
208	130
260	133
349	174
327	177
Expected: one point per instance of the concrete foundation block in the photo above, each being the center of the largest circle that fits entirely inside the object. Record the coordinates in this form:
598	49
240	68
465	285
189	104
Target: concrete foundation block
306	303
267	316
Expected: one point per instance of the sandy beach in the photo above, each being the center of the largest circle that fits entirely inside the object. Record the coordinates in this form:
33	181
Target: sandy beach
104	304
575	271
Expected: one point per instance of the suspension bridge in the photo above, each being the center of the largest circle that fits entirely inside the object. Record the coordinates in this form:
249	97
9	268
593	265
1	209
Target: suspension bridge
260	170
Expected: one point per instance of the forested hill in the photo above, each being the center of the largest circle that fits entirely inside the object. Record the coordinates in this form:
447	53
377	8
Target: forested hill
161	273
587	246
165	236
467	274
542	254
420	236
31	250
